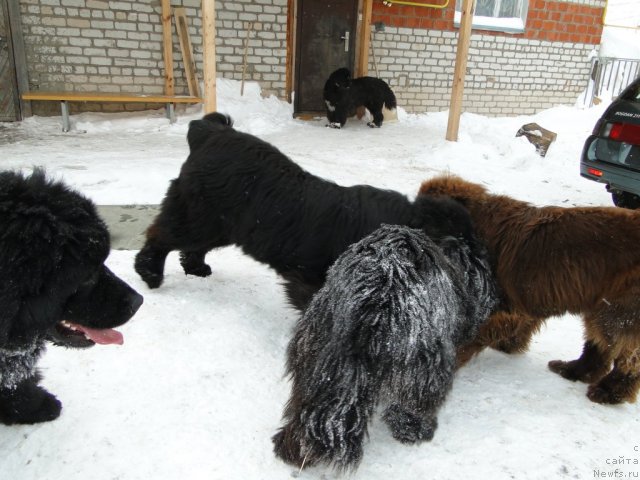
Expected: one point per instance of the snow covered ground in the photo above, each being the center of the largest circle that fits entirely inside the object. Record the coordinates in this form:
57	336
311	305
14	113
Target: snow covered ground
197	389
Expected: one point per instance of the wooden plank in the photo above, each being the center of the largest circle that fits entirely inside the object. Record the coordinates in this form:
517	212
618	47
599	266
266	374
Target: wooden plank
167	48
209	54
244	56
362	69
182	27
19	56
291	35
460	71
108	97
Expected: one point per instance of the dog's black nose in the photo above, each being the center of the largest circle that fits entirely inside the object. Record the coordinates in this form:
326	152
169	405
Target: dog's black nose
135	300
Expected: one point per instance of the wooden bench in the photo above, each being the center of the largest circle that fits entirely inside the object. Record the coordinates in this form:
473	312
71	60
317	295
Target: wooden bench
65	97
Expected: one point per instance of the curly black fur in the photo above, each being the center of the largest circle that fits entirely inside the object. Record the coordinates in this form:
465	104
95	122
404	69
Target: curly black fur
237	189
343	95
52	249
383	329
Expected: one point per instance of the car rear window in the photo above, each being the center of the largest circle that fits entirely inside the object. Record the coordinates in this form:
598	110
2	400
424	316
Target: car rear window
632	92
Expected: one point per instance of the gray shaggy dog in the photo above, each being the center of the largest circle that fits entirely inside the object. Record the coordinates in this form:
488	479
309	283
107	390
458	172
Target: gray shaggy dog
383	329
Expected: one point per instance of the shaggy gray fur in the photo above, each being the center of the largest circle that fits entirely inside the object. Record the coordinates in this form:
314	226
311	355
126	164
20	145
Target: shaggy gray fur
19	364
383	329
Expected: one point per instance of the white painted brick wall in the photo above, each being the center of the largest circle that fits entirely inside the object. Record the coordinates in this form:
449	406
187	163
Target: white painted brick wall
116	46
505	76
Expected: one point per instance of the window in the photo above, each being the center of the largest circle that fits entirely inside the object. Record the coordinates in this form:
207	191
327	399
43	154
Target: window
499	15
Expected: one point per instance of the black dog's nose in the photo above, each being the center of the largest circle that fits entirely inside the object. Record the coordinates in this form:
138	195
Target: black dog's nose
135	300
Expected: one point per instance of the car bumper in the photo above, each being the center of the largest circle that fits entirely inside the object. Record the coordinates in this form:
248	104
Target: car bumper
614	177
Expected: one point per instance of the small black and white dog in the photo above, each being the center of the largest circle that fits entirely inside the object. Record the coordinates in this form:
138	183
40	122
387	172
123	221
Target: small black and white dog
343	96
383	329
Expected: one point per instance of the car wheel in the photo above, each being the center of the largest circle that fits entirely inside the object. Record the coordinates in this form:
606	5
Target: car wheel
625	200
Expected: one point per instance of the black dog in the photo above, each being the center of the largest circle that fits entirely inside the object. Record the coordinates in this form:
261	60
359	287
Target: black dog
344	95
384	328
54	287
237	189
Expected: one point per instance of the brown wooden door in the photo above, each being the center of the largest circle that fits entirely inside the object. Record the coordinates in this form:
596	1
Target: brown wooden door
326	34
8	91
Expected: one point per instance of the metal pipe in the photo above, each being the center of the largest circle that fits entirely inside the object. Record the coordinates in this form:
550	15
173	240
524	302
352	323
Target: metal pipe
389	3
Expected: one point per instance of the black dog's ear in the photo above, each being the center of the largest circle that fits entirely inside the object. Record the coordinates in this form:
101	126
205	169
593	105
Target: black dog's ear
31	305
441	216
29	254
200	130
348	78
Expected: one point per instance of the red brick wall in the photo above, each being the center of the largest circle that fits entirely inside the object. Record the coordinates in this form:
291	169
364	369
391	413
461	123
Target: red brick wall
546	20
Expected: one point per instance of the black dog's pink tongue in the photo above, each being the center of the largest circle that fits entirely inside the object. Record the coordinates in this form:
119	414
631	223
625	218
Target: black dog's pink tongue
105	336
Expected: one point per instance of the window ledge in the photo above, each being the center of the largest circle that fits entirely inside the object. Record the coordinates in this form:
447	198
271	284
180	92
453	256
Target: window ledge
509	25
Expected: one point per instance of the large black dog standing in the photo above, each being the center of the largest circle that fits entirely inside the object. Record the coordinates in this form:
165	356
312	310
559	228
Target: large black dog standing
385	328
344	95
53	286
237	189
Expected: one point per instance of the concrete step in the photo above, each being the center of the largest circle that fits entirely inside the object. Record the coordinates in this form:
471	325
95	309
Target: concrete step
128	224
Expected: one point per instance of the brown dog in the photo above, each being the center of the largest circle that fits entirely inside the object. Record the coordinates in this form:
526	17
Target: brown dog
553	260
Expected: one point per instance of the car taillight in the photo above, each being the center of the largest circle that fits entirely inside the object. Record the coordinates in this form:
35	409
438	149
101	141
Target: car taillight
622	132
595	172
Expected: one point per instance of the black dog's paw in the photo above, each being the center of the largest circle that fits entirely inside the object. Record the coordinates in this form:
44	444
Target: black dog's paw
203	270
153	280
373	125
193	264
28	404
333	125
286	446
406	427
143	266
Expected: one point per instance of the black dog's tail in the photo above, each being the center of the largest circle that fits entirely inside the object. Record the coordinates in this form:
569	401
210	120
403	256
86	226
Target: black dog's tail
218	118
389	99
200	130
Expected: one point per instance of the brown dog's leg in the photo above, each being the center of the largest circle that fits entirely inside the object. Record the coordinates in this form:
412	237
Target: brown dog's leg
504	331
592	365
622	383
614	327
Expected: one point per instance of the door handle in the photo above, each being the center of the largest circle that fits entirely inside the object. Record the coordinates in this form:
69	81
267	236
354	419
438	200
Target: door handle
345	37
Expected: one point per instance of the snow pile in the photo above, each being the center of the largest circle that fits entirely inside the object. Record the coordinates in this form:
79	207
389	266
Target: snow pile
197	389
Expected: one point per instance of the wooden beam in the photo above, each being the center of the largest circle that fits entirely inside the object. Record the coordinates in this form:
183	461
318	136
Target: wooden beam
291	35
19	55
209	54
167	48
108	97
362	68
457	90
182	28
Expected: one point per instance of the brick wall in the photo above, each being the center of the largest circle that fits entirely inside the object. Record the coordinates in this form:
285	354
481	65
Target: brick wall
116	46
507	74
578	21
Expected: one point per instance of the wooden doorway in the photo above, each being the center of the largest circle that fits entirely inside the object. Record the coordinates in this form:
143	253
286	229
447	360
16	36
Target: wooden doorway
9	100
326	34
